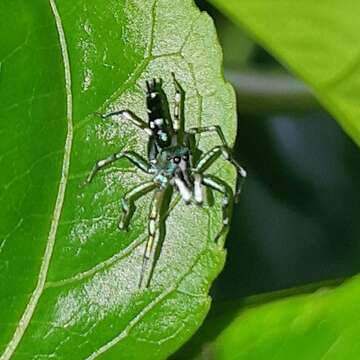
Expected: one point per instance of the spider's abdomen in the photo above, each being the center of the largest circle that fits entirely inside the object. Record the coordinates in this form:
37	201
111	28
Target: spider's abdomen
158	116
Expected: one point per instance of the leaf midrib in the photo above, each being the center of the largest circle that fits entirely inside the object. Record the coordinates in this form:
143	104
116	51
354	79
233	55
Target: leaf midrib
31	306
41	283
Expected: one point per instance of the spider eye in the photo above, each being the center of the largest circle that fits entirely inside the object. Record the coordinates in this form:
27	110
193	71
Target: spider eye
177	159
186	157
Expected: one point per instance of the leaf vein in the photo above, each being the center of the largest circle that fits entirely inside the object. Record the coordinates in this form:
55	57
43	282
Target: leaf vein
123	334
31	306
108	262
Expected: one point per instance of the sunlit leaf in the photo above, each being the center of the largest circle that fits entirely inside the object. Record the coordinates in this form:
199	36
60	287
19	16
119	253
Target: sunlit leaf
318	41
69	278
322	325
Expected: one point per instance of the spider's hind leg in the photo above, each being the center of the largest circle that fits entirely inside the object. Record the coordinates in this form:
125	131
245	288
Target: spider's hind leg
219	185
128	115
211	128
179	110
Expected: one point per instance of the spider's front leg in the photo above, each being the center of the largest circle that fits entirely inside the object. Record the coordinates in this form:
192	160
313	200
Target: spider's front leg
135	158
128	202
156	236
212	155
219	185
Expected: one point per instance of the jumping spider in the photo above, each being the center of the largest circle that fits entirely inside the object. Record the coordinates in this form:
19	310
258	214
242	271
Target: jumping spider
175	162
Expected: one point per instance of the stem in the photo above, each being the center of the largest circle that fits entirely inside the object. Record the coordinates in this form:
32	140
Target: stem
264	91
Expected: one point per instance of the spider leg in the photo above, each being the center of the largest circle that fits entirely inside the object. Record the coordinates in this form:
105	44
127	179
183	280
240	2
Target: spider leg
136	159
156	236
226	153
128	202
130	116
212	155
197	192
212	128
179	110
221	186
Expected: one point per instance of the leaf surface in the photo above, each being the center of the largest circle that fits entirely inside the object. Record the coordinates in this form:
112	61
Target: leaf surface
69	277
318	41
322	325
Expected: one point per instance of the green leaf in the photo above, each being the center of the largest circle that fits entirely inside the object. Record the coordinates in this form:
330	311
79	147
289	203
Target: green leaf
318	41
322	325
69	277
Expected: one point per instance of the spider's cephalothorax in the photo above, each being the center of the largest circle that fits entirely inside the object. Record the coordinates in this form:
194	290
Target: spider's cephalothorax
173	163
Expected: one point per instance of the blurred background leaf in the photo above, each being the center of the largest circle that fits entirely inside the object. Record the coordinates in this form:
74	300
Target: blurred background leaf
318	42
297	222
322	325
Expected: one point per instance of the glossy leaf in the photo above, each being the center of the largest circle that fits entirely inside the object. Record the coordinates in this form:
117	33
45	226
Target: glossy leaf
318	41
69	277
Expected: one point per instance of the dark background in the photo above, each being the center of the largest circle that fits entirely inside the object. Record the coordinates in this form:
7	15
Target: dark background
297	221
